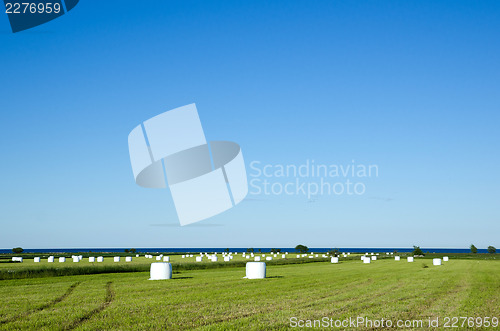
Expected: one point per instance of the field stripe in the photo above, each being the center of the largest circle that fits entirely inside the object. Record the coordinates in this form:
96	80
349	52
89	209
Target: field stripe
45	306
110	295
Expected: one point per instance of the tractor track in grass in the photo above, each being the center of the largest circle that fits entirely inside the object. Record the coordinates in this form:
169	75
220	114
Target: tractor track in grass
42	307
110	295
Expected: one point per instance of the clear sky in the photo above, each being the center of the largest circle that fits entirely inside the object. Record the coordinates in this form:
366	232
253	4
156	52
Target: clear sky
412	87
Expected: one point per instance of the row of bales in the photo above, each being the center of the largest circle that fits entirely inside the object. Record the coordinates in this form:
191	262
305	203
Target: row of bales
255	269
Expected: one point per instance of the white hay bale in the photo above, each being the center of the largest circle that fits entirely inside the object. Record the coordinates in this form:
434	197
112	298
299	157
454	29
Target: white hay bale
158	258
257	258
445	258
36	260
409	258
183	256
100	259
91	259
335	259
269	258
227	259
362	257
128	259
166	259
50	259
191	255
367	260
160	270
116	259
436	261
76	259
214	258
311	257
283	256
397	258
136	255
247	257
255	270
62	259
374	258
199	259
298	256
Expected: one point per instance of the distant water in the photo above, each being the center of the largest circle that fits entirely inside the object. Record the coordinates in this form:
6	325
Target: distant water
240	250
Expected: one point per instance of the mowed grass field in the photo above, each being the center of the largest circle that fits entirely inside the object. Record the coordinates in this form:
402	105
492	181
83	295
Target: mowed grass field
220	299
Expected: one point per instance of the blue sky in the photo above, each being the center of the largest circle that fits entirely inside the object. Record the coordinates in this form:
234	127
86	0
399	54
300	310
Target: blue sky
409	86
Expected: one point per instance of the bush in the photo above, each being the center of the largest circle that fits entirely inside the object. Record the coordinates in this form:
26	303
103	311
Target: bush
302	248
17	250
492	250
333	252
417	251
473	249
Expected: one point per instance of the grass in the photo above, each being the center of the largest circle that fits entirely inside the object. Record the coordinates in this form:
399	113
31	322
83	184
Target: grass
220	299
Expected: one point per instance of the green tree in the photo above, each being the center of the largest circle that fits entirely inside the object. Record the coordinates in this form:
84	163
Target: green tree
492	250
473	249
227	250
133	250
417	251
333	252
302	248
17	250
127	250
250	250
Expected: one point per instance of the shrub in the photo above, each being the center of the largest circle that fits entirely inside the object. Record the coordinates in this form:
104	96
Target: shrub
302	248
417	251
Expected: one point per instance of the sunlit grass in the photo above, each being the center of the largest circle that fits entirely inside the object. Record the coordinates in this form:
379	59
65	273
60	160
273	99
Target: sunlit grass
222	299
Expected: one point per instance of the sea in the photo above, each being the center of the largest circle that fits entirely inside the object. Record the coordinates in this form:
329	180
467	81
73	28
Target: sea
240	250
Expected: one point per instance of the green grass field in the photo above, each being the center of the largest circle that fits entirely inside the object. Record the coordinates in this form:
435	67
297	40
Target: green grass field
220	299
